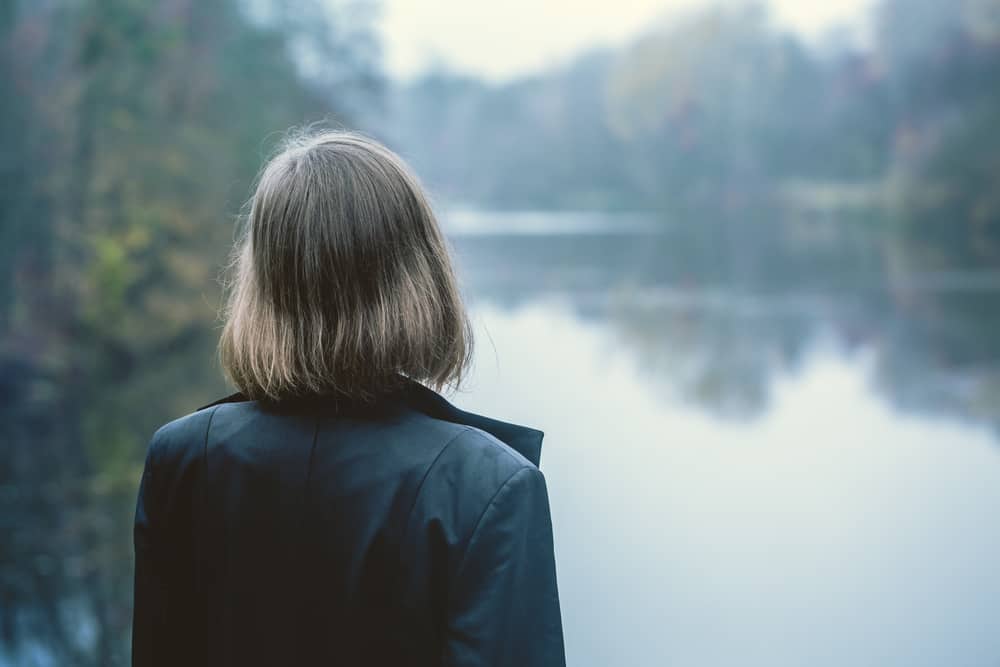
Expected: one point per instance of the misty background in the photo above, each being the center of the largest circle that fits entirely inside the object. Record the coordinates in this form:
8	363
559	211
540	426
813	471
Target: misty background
739	260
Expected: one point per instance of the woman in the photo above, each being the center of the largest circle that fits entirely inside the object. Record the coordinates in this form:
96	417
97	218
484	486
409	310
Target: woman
335	510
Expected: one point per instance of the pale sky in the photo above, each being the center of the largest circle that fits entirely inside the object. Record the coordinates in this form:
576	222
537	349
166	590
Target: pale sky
501	39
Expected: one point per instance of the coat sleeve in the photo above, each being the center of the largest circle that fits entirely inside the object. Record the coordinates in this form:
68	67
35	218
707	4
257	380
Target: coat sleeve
149	591
166	629
503	604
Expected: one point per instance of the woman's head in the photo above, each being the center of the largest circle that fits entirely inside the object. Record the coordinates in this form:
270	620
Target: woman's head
341	278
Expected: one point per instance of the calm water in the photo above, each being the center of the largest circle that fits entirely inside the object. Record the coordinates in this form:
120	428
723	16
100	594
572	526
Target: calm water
737	478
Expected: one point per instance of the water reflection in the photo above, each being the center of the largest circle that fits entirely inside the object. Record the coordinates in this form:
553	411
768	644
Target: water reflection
785	469
830	529
712	324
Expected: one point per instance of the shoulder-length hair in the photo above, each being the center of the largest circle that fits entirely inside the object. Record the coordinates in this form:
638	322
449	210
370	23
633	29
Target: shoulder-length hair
340	278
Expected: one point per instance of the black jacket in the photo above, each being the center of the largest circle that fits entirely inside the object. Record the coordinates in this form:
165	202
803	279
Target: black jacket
324	533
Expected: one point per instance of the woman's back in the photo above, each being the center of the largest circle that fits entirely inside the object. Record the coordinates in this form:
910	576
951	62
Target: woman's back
403	533
336	510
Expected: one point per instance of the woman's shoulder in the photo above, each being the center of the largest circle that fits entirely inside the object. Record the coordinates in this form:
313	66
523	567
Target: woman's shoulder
479	450
467	475
175	438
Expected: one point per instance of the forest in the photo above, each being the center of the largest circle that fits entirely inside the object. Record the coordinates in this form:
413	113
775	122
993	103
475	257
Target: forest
132	131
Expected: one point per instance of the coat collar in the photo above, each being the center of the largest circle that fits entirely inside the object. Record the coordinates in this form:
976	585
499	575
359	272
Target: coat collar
524	440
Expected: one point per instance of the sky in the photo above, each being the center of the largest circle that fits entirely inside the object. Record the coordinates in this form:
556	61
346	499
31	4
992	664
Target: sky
503	39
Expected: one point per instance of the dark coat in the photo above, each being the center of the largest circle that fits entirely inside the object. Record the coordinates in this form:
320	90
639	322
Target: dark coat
326	533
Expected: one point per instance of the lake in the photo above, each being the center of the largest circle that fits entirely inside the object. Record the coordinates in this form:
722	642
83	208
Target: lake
770	440
738	476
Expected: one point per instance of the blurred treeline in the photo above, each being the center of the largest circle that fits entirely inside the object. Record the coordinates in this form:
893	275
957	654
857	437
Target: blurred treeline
131	131
720	111
719	107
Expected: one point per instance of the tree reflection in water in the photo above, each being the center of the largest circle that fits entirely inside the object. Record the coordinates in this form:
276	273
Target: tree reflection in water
708	333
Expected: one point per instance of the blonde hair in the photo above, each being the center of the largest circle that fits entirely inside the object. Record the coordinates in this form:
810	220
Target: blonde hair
340	279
